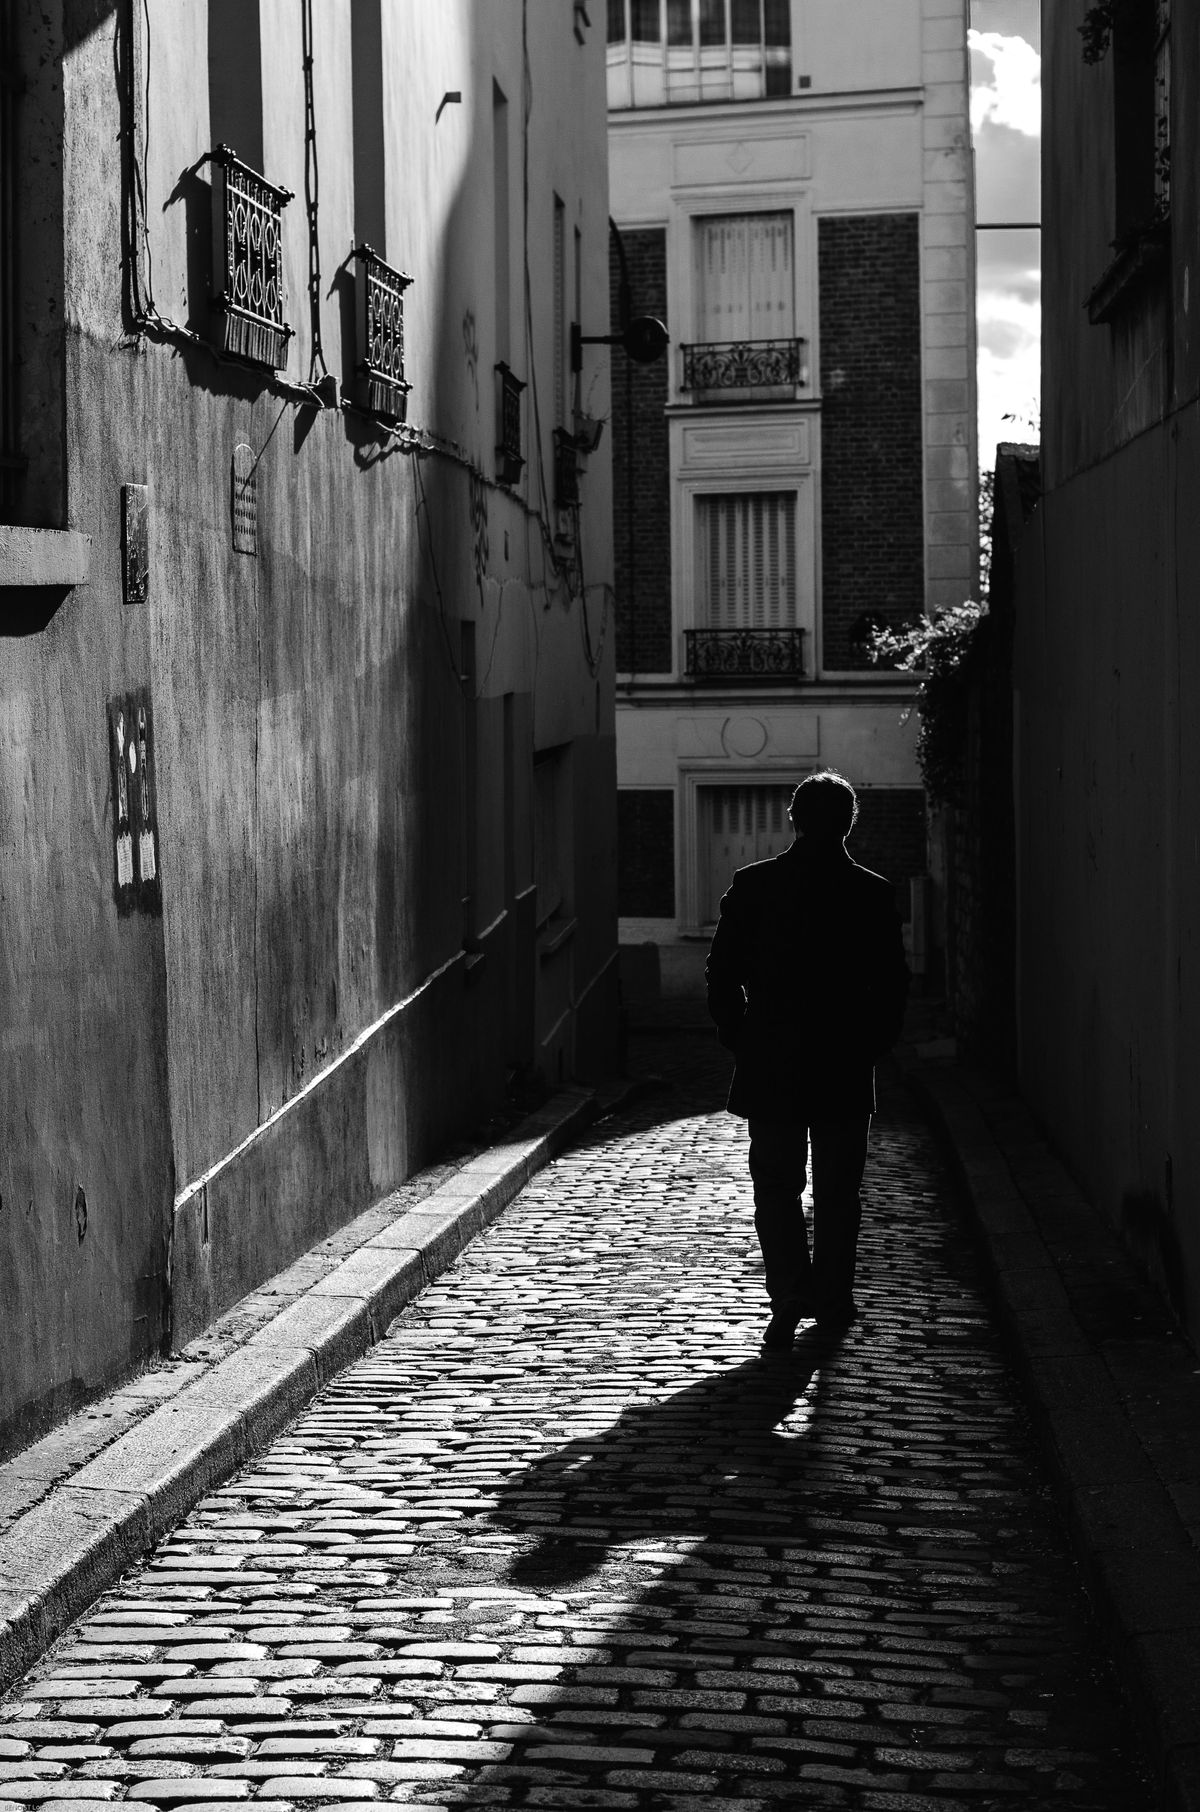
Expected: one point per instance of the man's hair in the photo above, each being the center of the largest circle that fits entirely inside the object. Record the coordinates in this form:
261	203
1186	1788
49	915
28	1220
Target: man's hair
824	807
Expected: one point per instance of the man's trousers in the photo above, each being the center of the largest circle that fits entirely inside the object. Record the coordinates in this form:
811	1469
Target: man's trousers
821	1284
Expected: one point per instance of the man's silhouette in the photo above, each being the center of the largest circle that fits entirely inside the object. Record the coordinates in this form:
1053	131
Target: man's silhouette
807	983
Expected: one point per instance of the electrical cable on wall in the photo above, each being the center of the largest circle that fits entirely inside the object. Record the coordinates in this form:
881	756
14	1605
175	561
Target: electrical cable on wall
312	199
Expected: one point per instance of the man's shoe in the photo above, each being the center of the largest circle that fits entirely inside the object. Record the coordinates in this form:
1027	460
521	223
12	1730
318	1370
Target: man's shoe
780	1333
838	1317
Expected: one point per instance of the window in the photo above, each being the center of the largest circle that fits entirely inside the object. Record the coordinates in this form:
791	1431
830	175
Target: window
1141	87
1141	115
737	825
744	277
33	366
746	560
746	348
235	101
370	150
679	52
647	27
248	287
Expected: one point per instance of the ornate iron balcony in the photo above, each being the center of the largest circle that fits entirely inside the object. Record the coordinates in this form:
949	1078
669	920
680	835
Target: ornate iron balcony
745	654
745	365
248	257
380	385
509	458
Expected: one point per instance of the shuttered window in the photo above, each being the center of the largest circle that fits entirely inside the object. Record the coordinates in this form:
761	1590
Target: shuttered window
744	277
738	824
746	560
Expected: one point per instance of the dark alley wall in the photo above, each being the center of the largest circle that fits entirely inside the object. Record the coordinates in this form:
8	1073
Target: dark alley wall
1107	657
342	957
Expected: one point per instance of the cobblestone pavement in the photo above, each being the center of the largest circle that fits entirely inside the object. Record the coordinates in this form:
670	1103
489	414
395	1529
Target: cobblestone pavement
565	1540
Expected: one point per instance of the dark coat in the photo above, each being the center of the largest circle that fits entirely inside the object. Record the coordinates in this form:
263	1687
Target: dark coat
807	982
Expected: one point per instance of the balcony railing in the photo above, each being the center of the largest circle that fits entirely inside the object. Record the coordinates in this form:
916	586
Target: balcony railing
728	366
248	262
509	458
769	655
380	384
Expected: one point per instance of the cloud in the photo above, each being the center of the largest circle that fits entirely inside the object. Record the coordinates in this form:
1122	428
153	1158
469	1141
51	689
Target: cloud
1006	121
1006	83
1009	352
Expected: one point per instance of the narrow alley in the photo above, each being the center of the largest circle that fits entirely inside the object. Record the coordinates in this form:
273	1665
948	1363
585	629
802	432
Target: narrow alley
564	1539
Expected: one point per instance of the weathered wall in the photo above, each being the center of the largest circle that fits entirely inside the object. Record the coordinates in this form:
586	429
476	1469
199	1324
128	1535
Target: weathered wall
344	968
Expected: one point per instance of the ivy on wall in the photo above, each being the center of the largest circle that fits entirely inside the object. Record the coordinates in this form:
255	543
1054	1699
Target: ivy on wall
1099	23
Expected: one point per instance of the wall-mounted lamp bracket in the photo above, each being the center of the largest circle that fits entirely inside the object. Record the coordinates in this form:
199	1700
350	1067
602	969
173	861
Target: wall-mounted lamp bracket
644	340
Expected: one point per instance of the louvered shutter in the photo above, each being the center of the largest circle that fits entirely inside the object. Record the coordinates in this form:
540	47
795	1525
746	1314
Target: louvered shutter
747	560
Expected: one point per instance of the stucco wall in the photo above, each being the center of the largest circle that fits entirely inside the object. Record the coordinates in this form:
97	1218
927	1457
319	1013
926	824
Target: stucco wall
228	1080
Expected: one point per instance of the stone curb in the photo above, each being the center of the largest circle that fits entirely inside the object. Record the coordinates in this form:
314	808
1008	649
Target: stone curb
68	1548
1115	1395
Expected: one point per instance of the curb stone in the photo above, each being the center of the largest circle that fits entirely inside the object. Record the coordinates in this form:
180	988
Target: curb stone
1115	1393
66	1549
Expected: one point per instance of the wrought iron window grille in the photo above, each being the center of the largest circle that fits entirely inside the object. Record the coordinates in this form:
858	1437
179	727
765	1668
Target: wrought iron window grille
734	365
380	385
768	655
566	469
510	461
248	262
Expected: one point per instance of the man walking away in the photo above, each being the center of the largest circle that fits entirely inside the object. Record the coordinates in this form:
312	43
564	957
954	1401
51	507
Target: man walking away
807	983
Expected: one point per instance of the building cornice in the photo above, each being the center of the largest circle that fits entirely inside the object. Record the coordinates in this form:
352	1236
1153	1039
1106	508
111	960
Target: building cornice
768	113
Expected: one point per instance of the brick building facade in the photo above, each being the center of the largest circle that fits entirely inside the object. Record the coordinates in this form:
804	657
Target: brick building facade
642	488
797	207
872	503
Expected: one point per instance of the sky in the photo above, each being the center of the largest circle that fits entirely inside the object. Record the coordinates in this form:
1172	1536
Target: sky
1005	43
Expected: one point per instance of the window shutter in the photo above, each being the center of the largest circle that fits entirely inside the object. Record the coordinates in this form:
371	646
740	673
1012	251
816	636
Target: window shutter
747	560
744	277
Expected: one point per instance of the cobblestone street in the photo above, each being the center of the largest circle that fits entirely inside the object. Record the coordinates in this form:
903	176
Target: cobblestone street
564	1539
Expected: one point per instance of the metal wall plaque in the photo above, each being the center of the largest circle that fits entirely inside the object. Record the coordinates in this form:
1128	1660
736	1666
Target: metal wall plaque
135	541
243	500
137	881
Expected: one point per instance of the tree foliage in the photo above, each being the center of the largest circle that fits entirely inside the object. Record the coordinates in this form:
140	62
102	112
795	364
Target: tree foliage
946	652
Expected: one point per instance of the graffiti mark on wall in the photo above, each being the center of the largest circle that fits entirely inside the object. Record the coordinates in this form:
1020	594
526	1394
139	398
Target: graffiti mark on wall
471	348
479	525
